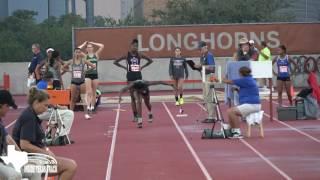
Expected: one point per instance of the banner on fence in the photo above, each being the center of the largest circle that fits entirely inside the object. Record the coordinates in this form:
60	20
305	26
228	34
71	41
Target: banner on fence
223	40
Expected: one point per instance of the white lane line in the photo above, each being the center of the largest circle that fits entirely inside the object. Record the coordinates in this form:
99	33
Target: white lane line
291	127
294	129
113	145
194	154
282	173
9	125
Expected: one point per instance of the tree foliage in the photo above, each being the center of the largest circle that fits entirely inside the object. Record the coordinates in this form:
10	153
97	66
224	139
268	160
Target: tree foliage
222	11
19	31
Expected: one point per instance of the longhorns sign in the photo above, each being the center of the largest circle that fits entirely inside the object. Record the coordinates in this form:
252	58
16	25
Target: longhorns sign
223	40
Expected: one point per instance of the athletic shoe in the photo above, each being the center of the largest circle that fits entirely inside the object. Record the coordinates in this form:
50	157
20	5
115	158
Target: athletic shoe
181	101
177	103
139	123
236	135
150	118
208	120
135	119
87	116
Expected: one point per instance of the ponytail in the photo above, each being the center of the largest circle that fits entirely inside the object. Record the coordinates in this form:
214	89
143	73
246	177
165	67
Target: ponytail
37	95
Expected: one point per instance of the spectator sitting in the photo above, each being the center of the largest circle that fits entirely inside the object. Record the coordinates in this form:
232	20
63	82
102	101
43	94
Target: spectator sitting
6	170
67	116
29	134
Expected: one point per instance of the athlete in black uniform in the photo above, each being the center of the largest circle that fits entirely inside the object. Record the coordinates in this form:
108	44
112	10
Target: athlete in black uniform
133	68
140	89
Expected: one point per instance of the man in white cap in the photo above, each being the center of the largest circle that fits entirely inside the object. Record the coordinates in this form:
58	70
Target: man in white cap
244	52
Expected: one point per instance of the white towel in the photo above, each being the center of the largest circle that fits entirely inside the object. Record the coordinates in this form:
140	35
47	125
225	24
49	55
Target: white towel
255	118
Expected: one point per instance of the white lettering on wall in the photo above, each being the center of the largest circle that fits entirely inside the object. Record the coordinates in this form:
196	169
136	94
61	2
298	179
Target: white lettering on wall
193	42
140	45
216	41
152	42
228	40
273	37
209	40
257	40
172	42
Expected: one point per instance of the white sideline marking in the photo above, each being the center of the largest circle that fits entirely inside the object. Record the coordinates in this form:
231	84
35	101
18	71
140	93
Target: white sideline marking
293	128
9	125
113	144
194	154
283	174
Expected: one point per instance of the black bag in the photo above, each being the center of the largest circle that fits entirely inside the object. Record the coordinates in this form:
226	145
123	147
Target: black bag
304	92
56	141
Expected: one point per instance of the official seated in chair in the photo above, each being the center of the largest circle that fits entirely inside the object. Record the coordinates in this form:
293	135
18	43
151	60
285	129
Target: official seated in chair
29	134
67	116
249	100
7	171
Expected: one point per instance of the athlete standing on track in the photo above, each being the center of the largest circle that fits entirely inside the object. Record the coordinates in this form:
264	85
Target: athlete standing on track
283	77
140	89
133	68
177	70
77	79
91	76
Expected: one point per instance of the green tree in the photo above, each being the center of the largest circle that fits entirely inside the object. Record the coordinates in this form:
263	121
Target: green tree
222	11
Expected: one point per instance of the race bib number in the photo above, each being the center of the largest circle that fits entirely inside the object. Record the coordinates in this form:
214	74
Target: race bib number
135	67
283	69
77	74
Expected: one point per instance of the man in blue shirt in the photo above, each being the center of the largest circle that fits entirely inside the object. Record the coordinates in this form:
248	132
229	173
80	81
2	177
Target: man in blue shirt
34	68
207	58
249	100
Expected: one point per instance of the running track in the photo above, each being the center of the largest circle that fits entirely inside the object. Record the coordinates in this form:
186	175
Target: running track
111	147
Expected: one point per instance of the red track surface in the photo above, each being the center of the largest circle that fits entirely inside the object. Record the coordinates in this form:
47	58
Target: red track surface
158	151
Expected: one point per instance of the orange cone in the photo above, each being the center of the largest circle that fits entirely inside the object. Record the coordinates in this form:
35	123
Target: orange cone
292	91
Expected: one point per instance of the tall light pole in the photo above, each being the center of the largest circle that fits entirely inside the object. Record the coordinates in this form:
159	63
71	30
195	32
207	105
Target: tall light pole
306	13
90	12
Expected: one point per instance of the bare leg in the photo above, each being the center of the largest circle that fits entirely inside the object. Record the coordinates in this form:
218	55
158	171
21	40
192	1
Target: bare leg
287	85
74	96
176	83
83	94
233	115
138	103
94	89
88	86
66	168
146	99
280	89
180	86
139	108
133	103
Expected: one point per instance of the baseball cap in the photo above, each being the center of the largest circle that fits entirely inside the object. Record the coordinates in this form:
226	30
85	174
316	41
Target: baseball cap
243	41
6	98
251	41
50	49
201	44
